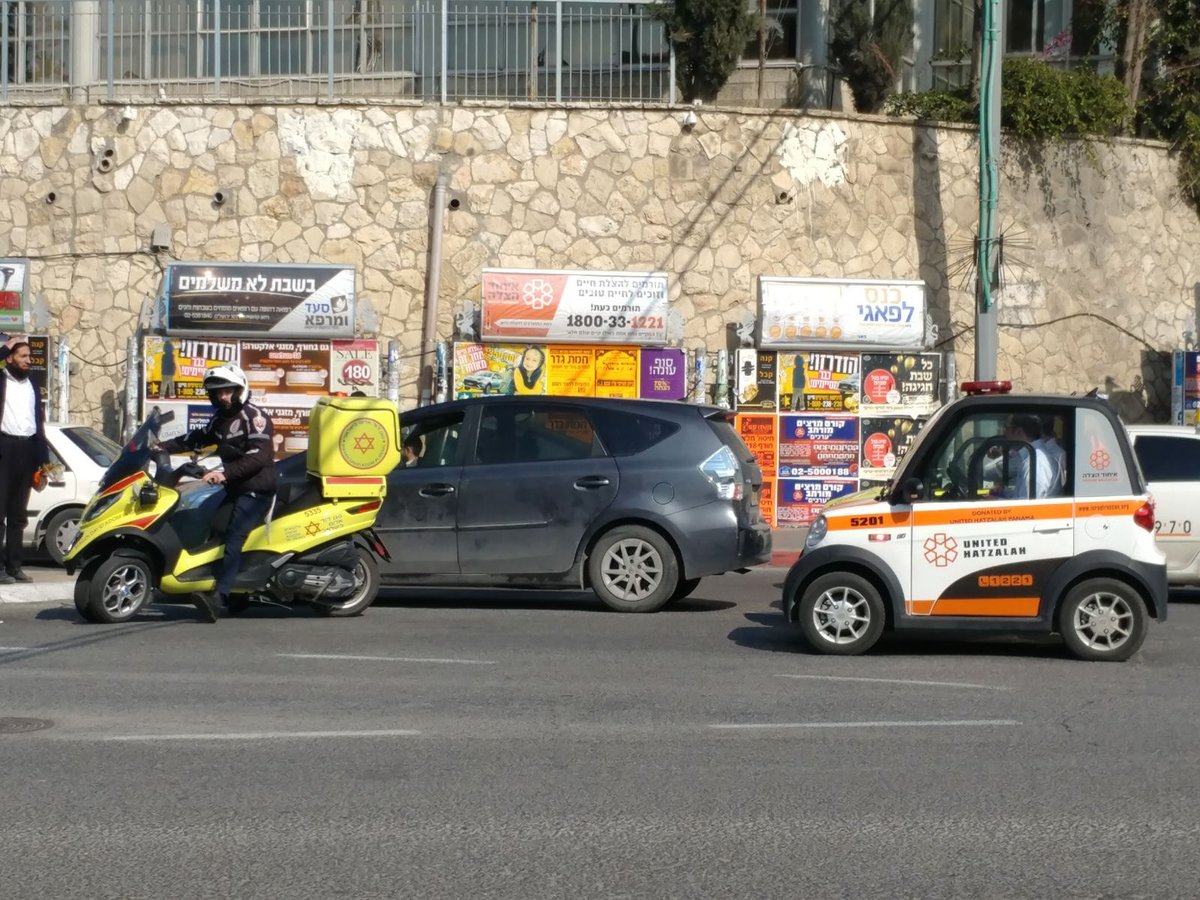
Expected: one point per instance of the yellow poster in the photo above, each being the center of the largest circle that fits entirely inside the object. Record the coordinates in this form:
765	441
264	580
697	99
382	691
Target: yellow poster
175	367
572	371
617	372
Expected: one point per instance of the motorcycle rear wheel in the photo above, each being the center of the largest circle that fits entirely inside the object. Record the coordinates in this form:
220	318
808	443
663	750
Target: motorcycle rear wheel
366	589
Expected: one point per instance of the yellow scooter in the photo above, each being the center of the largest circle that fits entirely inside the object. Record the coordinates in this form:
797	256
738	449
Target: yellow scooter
148	529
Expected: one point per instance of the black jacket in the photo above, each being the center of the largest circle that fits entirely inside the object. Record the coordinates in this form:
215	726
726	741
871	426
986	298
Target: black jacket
42	452
244	441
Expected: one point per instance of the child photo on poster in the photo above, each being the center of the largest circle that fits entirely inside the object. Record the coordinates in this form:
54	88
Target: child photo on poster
528	375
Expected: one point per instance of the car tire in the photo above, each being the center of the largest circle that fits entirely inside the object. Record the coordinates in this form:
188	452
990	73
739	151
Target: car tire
118	590
841	614
83	597
60	530
633	569
1103	619
366	573
684	589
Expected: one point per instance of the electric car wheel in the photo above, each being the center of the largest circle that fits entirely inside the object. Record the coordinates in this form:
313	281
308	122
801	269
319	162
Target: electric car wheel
1103	619
841	614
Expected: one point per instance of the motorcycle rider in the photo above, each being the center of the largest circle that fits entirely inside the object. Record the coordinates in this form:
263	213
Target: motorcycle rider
242	433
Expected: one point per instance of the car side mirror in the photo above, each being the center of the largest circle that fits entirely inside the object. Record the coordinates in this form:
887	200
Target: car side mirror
912	489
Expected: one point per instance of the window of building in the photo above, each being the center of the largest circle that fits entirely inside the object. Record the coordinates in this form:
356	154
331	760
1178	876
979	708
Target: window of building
782	31
37	42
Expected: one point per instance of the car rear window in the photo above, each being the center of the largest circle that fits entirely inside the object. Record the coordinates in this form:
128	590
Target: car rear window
722	425
628	433
1167	458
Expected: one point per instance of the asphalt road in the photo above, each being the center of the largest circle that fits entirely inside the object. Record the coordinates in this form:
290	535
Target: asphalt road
483	744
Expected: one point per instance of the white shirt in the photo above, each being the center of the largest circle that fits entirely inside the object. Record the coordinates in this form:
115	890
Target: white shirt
19	408
1058	456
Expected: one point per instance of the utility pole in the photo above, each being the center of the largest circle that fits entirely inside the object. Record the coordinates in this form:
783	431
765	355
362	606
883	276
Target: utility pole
987	246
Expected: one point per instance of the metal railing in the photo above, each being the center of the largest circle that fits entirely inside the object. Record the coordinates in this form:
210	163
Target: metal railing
429	50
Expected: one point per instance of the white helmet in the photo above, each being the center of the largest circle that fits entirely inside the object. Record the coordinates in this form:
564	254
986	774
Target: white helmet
227	375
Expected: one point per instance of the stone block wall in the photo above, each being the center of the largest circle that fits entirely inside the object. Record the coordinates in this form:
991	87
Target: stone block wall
1101	270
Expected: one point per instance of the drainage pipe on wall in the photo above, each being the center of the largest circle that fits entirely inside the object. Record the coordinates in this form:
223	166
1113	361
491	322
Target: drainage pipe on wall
433	279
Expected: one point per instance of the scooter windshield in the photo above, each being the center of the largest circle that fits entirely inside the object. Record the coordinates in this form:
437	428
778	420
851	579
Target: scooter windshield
136	452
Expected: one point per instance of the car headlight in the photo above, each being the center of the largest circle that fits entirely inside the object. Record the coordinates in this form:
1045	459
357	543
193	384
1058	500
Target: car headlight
99	505
816	533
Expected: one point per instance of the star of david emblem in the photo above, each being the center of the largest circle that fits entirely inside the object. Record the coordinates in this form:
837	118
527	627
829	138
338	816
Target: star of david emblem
363	443
312	529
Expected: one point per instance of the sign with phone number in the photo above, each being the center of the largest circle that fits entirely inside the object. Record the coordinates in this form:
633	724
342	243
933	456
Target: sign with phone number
574	307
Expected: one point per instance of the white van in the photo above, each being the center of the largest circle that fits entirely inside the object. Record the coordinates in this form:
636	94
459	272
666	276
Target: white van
1010	513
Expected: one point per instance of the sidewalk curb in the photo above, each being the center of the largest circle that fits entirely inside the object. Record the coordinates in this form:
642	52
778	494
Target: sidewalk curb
43	592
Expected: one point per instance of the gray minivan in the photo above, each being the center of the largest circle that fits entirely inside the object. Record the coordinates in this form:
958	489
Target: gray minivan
635	499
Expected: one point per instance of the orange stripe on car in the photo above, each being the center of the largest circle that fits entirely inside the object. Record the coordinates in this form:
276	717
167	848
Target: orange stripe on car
1012	607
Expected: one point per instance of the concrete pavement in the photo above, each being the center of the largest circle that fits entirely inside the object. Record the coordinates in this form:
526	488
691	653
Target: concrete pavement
50	585
53	585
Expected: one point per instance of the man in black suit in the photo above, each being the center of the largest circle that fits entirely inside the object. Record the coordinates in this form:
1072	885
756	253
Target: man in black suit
23	449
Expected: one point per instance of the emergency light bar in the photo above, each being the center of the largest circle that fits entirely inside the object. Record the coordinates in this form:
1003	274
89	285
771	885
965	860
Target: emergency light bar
975	388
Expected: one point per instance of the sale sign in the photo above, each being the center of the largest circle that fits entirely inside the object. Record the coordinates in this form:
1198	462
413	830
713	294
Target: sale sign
885	441
285	369
814	445
354	367
900	383
760	432
574	307
801	499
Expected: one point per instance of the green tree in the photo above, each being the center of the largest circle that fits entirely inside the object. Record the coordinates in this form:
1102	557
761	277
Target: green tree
1170	108
709	37
867	52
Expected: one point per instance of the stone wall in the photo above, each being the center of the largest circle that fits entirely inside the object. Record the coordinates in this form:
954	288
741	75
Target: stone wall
1101	269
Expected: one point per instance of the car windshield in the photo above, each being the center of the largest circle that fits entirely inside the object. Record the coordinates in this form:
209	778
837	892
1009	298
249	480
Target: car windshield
902	471
95	446
136	452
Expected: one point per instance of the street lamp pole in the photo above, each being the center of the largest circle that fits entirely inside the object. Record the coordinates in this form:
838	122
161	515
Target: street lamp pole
987	248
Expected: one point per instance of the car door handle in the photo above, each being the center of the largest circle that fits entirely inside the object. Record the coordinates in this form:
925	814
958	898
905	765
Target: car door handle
436	490
1050	529
592	482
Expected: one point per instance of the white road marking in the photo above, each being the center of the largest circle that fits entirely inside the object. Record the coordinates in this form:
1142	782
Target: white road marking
13	649
944	723
261	735
950	684
406	659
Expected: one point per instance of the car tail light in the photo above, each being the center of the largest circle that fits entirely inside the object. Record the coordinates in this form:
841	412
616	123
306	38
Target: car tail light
724	472
1144	517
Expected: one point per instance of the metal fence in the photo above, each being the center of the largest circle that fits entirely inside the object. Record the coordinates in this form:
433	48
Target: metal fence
430	50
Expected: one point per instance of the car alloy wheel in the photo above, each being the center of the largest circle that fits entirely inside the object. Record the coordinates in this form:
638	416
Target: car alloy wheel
124	590
1103	621
841	615
632	569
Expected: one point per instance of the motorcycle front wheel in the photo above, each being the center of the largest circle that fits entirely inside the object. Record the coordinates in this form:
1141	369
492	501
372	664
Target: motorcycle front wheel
118	589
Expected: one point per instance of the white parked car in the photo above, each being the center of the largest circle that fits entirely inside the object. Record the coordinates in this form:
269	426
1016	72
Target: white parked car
1169	456
83	455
